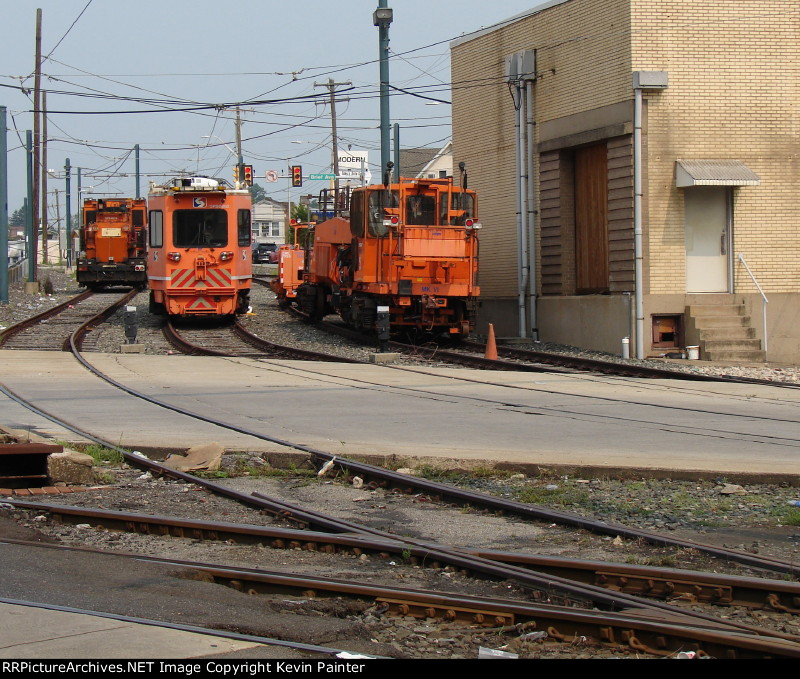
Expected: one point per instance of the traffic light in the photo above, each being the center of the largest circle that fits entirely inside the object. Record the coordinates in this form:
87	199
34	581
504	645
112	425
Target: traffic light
236	172
297	175
248	175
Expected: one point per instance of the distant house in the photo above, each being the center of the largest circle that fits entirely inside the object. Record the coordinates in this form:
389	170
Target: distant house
269	221
427	163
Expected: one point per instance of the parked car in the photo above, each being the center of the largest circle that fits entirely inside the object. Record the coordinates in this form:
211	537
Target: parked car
262	252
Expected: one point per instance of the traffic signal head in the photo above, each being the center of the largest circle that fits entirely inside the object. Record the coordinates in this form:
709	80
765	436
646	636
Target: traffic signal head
297	175
236	172
248	175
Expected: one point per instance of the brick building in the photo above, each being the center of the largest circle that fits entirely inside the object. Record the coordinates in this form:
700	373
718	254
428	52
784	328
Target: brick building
720	156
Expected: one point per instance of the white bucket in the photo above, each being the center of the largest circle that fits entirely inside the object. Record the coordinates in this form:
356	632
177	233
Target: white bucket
693	353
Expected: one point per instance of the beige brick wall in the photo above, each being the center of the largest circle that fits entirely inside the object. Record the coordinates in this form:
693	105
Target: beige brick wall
734	92
583	59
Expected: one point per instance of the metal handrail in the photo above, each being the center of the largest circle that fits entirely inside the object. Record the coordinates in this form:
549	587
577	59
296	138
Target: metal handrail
763	296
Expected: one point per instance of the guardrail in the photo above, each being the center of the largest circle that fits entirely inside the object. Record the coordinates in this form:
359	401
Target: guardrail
763	297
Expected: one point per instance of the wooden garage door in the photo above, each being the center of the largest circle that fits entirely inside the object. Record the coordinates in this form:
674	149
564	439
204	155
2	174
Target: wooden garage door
591	219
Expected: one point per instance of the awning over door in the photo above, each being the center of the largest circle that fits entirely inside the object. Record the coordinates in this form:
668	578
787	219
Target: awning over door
714	173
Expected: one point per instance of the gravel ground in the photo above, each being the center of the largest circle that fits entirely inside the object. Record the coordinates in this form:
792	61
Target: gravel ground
414	517
268	322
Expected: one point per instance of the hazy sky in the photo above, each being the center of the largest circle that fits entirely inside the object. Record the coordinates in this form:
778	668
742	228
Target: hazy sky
156	56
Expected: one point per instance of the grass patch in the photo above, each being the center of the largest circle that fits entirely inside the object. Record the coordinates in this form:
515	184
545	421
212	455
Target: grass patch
99	454
788	516
563	496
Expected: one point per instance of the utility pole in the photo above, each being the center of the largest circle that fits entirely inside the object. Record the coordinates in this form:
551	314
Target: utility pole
138	192
45	230
37	94
30	234
381	18
58	225
3	207
240	158
67	170
335	149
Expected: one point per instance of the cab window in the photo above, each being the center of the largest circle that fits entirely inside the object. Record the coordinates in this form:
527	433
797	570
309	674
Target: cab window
462	206
245	233
200	228
156	227
421	210
379	201
357	214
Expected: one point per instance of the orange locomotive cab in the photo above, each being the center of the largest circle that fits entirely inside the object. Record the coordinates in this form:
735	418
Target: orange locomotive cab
112	243
291	264
199	258
409	248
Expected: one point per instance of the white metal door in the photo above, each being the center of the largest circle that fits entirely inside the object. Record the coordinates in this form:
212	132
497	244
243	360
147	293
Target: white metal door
707	238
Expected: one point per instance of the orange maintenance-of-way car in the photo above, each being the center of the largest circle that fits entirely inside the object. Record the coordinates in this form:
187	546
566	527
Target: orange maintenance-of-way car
199	248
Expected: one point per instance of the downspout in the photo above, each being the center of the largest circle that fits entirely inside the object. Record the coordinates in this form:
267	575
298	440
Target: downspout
642	80
522	207
637	220
531	210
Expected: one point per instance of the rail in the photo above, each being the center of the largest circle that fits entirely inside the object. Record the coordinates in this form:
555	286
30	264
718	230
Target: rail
763	297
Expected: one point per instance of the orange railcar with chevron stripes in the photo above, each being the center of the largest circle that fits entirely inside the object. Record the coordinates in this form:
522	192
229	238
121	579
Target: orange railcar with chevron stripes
198	248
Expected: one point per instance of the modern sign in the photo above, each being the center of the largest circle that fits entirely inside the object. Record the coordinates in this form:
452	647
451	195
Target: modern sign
321	176
271	175
350	164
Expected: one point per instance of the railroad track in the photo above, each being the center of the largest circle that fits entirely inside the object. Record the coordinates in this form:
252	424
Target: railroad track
232	339
472	354
659	633
379	477
568	592
53	329
645	581
550	587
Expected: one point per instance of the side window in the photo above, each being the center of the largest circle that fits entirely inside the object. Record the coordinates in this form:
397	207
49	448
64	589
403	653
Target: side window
156	228
245	233
357	214
379	202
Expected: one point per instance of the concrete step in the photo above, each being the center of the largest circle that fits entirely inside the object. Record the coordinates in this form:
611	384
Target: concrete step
735	356
725	333
709	322
733	345
697	310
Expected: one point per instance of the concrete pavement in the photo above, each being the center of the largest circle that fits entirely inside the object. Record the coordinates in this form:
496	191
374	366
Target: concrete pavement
441	414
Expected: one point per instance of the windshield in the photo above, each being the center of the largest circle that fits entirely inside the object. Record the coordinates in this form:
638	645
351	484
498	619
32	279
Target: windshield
200	228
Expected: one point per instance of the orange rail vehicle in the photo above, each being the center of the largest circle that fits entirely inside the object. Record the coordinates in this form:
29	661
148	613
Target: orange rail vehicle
291	264
112	243
408	253
198	254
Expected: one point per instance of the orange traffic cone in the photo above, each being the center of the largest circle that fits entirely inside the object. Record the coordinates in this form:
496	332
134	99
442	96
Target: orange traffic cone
491	346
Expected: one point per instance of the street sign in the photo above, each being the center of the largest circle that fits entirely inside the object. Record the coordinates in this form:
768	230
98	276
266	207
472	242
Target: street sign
271	176
321	176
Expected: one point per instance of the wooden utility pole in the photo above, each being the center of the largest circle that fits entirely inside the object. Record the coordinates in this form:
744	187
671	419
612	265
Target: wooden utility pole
45	229
332	90
37	163
239	157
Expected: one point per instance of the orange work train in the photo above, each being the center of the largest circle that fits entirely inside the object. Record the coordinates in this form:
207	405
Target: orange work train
198	248
112	243
406	255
